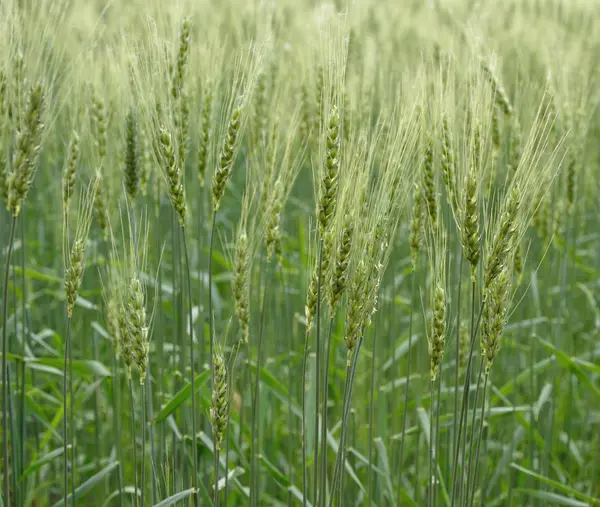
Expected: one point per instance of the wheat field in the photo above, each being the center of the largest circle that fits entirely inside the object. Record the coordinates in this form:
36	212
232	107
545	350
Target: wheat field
283	252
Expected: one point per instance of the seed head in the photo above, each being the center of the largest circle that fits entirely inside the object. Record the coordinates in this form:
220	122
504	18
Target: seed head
172	175
28	144
70	170
204	136
132	164
503	241
182	58
273	220
226	158
329	184
437	339
339	277
470	238
74	274
416	225
448	167
220	401
429	180
137	327
240	287
493	318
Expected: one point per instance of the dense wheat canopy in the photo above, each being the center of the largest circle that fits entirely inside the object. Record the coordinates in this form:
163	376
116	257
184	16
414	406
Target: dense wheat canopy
284	252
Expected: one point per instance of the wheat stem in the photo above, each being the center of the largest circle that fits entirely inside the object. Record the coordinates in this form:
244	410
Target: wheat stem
406	387
4	362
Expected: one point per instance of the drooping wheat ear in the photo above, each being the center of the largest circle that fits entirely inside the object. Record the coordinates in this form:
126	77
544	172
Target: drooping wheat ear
429	180
172	175
204	135
240	286
28	144
470	237
447	166
273	221
356	307
137	325
226	158
182	58
99	129
132	161
500	95
416	225
437	338
339	275
112	324
329	183
70	171
503	241
220	399
494	316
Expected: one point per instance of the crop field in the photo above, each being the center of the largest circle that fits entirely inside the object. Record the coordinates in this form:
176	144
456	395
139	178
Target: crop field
292	253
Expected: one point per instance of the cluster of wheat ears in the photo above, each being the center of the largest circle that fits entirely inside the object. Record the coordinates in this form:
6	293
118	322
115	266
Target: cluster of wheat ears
310	254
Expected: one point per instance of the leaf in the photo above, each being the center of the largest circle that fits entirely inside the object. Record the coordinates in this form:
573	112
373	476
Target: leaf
556	484
552	498
94	480
425	425
181	397
130	490
44	460
567	362
278	476
80	366
177	497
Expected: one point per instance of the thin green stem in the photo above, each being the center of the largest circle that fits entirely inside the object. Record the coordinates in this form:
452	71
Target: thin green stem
431	442
324	415
457	355
464	407
480	433
407	385
472	440
6	487
371	421
346	412
318	378
71	417
143	481
133	432
303	429
255	493
192	364
65	411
